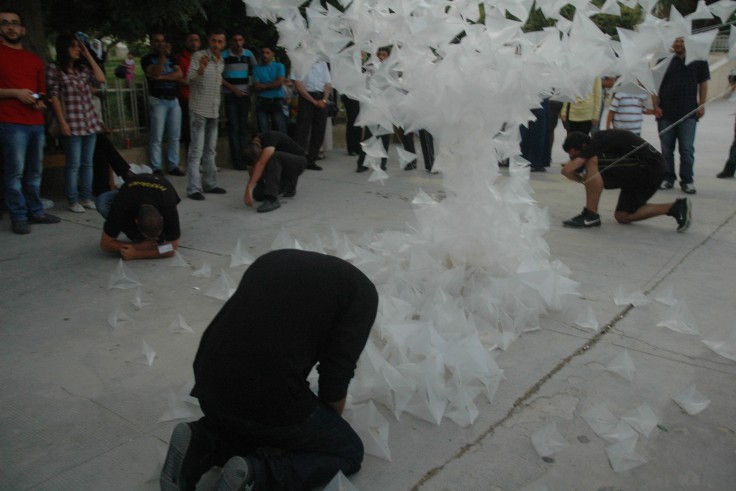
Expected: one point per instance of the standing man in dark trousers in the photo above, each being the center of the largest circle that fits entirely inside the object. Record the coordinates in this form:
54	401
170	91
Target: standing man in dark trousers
236	87
684	90
292	310
314	90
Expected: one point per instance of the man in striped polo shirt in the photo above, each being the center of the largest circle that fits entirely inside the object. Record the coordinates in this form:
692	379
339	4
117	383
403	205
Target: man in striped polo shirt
627	112
236	87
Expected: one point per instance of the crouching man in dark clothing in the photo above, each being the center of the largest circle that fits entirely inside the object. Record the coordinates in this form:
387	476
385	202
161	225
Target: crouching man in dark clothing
292	310
275	162
619	159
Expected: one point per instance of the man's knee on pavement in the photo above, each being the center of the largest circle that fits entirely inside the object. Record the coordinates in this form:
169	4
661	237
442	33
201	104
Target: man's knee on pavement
623	217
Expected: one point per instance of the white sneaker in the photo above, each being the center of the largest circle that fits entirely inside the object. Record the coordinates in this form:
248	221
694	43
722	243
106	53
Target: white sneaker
88	203
76	208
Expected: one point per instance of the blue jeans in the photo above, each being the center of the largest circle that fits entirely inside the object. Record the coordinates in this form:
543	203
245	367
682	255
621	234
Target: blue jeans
684	135
79	151
22	147
308	453
237	109
164	114
202	149
104	202
270	117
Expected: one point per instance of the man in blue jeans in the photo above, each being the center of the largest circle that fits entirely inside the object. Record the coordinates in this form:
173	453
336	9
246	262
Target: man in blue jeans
293	309
268	84
22	89
682	94
164	77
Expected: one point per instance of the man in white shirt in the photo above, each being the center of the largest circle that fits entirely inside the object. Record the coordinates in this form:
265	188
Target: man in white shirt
314	93
205	81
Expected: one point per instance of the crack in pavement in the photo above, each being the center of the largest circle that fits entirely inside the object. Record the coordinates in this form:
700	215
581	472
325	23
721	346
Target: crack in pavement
522	402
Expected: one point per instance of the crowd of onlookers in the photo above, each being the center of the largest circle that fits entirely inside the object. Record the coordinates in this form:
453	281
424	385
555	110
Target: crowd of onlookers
187	88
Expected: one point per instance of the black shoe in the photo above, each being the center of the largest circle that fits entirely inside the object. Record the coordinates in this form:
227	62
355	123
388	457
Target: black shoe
237	475
682	212
176	172
411	166
586	219
362	168
21	227
269	206
383	166
537	169
289	193
45	218
196	196
313	166
724	175
191	453
157	172
215	190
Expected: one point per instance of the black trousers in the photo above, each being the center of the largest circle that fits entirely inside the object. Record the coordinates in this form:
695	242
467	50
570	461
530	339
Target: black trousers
106	156
311	122
280	175
352	132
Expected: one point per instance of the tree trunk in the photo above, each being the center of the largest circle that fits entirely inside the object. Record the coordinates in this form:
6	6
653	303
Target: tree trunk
32	14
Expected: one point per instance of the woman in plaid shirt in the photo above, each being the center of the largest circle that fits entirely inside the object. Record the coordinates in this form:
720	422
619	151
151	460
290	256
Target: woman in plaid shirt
69	82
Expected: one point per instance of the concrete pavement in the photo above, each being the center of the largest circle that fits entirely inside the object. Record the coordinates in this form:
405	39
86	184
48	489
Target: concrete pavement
78	414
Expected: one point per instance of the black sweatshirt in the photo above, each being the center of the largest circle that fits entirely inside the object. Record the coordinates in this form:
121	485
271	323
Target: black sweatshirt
292	310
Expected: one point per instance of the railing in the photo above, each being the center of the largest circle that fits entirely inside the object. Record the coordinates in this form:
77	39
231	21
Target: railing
125	110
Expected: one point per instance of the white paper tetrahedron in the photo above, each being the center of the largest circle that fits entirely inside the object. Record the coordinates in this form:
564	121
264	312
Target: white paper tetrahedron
145	356
340	483
204	272
137	301
123	277
697	46
118	318
642	419
724	345
176	408
372	428
586	319
223	288
547	440
178	261
723	9
179	325
635	298
622	365
679	319
239	258
622	455
691	400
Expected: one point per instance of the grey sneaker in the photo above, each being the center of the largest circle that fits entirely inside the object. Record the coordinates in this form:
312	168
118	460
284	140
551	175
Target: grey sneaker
682	212
269	206
688	188
586	219
666	185
236	475
190	454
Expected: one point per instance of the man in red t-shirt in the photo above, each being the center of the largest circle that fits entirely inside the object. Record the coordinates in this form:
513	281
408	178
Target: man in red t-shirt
22	91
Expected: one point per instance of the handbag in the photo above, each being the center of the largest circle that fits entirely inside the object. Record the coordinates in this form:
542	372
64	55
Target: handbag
53	126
